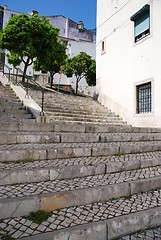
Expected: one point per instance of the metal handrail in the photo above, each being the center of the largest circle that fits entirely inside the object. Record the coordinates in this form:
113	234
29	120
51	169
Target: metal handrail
28	78
9	69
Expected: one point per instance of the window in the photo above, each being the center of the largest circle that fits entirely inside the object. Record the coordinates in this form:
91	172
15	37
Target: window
144	98
141	22
103	46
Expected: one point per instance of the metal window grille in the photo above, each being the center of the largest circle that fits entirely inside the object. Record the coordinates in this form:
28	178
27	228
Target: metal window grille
144	98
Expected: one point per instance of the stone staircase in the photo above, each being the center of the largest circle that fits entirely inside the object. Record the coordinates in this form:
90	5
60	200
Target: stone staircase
11	108
68	108
99	177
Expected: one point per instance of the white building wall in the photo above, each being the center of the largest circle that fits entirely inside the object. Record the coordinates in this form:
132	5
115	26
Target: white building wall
125	64
73	49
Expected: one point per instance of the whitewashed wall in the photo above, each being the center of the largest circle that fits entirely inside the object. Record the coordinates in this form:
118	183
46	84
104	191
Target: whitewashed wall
125	64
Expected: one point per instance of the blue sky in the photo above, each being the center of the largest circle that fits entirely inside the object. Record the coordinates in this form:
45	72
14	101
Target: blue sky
76	10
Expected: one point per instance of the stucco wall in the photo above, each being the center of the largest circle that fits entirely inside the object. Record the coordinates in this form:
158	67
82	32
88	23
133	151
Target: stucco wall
74	48
125	64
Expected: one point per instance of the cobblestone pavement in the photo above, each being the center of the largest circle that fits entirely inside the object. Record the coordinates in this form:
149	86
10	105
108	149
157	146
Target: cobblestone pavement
11	191
73	216
74	145
151	234
81	161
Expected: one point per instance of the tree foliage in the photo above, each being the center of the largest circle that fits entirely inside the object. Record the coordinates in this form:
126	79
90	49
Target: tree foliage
28	39
81	66
54	61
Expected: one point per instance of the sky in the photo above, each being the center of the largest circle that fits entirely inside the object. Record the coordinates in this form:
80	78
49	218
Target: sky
76	10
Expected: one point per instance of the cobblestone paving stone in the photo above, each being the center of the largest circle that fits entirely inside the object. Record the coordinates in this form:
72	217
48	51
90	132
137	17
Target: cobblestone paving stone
73	216
11	191
150	234
74	145
80	161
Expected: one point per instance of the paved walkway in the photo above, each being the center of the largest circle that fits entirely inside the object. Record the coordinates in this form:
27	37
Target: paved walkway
152	234
34	189
79	215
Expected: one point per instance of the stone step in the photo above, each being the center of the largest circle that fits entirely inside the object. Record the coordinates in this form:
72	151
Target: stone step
11	120
78	113
58	137
98	221
23	115
75	127
34	171
77	109
86	122
69	150
90	119
13	104
10	109
58	194
9	99
110	219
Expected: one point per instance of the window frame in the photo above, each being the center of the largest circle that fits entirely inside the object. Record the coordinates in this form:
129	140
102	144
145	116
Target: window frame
145	10
103	46
144	98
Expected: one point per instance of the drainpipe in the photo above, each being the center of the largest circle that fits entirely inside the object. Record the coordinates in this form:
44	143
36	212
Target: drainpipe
66	27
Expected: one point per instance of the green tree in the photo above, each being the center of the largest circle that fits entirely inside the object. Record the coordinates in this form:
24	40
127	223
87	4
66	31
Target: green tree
91	74
28	39
81	66
55	59
13	59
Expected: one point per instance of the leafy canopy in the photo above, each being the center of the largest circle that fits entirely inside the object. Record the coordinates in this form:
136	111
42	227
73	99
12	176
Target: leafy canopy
54	61
81	66
28	39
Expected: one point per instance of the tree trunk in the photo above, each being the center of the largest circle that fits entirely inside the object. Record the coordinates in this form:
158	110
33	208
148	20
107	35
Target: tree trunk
51	79
76	89
25	70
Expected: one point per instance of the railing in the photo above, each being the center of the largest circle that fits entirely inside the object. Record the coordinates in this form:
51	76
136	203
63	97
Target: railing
30	79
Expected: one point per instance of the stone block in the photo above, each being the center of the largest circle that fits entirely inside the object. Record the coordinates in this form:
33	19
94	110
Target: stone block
113	167
90	232
80	137
157	137
13	127
83	196
76	171
129	224
38	138
33	127
96	128
23	176
6	138
18	207
16	155
145	185
68	152
69	127
127	149
150	162
105	151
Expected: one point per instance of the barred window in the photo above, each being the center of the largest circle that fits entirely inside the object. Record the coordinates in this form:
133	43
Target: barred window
144	98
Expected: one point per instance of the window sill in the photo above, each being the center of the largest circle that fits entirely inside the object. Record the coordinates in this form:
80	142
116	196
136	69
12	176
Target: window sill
142	40
150	114
103	52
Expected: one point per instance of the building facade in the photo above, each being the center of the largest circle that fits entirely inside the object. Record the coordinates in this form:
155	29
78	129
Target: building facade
128	53
76	40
